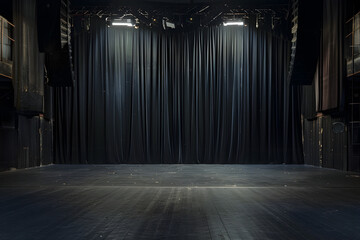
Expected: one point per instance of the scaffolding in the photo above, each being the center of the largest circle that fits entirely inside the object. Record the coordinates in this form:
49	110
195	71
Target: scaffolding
6	48
352	54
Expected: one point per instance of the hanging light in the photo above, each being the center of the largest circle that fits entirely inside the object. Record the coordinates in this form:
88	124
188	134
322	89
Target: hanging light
123	22
167	24
236	22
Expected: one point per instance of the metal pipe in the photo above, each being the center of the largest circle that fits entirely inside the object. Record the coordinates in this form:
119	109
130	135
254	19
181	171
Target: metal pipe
2	40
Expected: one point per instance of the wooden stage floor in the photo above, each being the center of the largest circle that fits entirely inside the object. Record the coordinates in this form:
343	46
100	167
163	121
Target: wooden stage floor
179	202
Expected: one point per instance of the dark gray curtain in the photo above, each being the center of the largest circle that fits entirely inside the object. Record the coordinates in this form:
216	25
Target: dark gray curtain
214	95
332	58
327	93
28	67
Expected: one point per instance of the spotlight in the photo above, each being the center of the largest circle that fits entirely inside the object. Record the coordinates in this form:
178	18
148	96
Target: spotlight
237	22
122	22
137	23
167	24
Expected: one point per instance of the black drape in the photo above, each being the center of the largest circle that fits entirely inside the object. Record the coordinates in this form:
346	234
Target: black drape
332	55
330	72
215	95
28	67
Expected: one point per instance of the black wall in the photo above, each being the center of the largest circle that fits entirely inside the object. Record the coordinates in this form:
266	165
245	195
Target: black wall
6	9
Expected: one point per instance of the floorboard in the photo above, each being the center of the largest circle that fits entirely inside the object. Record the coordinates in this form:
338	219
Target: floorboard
179	202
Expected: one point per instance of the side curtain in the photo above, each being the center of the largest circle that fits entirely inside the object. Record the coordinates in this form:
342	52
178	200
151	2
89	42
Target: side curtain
28	61
329	81
215	95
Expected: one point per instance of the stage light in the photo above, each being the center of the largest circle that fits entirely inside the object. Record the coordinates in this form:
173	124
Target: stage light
137	23
122	22
234	23
167	24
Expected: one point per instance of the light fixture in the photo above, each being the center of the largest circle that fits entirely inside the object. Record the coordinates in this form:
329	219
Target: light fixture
234	23
122	22
137	23
167	24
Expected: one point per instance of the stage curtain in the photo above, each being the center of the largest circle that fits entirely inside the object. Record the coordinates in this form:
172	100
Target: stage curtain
28	62
213	95
330	94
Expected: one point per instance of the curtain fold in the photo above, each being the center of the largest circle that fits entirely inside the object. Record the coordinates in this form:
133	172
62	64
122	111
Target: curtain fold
214	95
